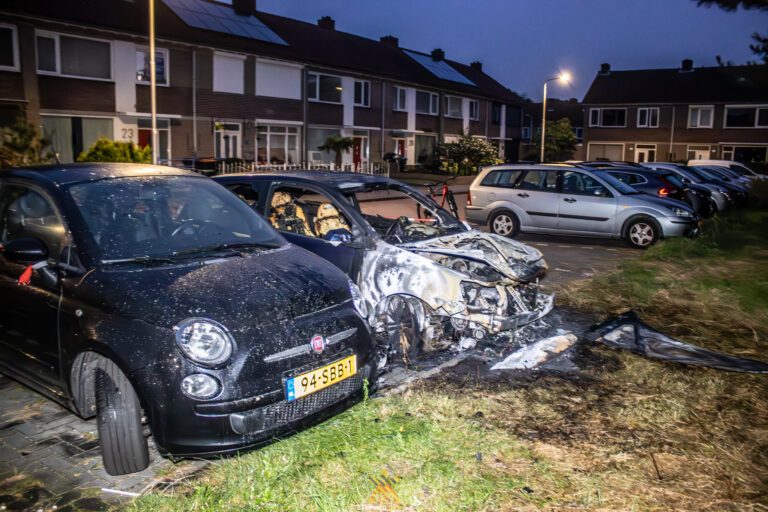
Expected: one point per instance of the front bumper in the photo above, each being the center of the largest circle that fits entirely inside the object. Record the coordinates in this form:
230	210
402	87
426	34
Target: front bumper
680	227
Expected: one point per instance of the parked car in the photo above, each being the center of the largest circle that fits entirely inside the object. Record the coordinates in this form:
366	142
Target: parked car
737	190
429	281
720	195
154	292
727	172
573	200
739	167
663	185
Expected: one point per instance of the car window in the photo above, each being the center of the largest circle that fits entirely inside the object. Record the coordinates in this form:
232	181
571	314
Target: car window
621	176
504	178
636	179
542	180
581	184
246	192
27	213
309	213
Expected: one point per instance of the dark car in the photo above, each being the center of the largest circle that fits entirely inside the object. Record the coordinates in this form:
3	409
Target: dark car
137	291
737	189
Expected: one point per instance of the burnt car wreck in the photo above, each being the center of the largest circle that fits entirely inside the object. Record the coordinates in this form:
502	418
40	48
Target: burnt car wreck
428	281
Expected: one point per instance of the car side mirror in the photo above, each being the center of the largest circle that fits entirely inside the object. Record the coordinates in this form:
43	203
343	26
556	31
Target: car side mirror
24	250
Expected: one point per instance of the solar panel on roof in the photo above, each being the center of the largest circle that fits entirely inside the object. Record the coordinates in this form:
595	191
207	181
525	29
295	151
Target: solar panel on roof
220	18
439	68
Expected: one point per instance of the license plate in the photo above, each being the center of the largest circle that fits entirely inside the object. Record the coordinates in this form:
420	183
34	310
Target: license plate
321	378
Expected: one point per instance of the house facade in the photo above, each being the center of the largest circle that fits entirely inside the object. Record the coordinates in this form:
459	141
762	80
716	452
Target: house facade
237	83
556	109
678	114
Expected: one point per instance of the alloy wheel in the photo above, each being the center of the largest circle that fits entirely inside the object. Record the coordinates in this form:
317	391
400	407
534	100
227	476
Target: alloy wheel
503	225
641	234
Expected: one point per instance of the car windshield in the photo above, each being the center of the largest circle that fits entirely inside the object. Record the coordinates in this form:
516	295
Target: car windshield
620	186
166	217
710	175
401	214
691	174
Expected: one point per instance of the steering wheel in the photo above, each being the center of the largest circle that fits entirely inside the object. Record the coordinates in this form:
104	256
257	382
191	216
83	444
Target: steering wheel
198	227
400	224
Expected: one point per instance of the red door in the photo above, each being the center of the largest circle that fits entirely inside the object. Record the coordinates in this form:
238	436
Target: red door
401	147
145	137
357	152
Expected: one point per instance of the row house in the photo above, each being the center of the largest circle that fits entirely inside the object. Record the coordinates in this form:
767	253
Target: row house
237	83
557	109
678	114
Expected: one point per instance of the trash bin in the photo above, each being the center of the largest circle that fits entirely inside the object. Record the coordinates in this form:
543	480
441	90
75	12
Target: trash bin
396	162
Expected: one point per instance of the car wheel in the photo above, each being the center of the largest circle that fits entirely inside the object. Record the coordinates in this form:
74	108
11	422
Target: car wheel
642	233
404	342
504	223
123	445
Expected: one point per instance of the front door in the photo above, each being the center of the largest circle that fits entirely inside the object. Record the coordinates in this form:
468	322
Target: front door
357	152
585	205
645	153
29	314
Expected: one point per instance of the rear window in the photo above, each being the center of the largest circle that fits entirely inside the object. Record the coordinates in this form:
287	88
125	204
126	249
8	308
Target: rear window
501	178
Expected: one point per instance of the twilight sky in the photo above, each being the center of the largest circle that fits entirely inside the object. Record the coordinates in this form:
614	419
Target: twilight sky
523	42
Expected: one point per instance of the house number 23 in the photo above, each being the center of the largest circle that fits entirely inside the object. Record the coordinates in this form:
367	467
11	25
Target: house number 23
128	133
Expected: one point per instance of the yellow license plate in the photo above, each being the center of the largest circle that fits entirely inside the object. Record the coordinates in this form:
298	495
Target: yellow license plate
310	382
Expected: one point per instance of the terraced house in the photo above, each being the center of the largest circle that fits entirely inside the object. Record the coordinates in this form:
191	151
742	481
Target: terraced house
237	83
678	114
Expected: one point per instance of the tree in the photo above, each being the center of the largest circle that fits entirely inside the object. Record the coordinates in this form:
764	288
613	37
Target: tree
467	154
560	143
22	145
106	150
761	47
338	145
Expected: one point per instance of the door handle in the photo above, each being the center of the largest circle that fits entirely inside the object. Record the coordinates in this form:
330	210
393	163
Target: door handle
569	200
524	195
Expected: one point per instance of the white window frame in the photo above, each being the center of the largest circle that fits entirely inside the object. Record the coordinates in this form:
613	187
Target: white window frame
475	117
229	55
434	101
600	117
447	111
239	152
757	108
397	107
15	43
57	52
166	58
648	116
317	99
698	116
286	134
366	86
578	132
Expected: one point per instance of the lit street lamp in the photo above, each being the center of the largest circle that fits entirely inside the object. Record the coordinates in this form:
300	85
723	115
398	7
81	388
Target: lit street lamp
564	77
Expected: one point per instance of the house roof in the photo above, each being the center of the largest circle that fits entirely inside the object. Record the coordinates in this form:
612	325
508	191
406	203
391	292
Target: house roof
706	84
306	42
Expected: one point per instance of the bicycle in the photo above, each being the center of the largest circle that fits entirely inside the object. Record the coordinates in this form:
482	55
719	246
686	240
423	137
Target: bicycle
446	196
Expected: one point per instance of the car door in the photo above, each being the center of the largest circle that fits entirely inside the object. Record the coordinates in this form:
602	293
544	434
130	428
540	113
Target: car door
585	205
536	194
29	314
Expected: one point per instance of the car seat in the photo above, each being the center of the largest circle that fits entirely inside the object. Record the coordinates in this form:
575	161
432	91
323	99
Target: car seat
329	219
286	215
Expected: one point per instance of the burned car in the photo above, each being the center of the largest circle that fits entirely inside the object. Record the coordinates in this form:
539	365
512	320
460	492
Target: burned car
133	291
428	280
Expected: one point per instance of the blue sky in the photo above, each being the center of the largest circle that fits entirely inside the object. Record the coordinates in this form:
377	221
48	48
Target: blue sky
523	42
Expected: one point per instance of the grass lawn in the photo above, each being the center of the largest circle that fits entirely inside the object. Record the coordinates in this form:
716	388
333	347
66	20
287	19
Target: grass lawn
629	434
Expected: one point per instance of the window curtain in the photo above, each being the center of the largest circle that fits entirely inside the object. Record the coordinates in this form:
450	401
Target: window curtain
94	129
58	132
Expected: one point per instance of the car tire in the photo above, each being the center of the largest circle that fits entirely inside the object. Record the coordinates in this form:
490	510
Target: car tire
124	448
642	233
504	223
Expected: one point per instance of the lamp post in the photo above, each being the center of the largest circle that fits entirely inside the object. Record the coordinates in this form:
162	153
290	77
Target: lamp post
153	80
564	77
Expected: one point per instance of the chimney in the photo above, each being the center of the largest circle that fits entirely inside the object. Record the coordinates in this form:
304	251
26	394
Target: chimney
605	68
687	65
326	22
390	41
244	7
438	54
477	65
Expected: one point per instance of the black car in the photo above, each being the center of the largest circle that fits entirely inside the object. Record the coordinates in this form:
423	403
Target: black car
130	291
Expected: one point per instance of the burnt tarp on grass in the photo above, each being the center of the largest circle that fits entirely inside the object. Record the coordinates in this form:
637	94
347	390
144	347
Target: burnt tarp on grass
628	332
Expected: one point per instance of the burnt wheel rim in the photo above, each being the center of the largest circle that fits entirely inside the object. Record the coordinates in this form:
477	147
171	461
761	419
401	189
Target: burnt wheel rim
503	224
641	234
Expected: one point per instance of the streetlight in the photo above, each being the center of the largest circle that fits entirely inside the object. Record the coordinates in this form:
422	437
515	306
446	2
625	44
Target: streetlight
153	81
564	78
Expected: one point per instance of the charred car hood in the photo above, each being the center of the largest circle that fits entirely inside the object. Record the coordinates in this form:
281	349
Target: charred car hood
269	287
513	259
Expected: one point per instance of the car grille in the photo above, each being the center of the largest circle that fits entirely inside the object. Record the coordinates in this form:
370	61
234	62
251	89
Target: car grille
281	413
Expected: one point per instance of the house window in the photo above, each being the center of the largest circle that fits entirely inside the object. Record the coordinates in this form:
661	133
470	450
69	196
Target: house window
453	106
762	117
594	117
163	137
608	117
648	117
70	136
227	140
496	113
161	66
74	56
474	110
324	88
700	117
579	133
229	73
362	93
277	145
746	117
526	133
426	103
400	96
9	48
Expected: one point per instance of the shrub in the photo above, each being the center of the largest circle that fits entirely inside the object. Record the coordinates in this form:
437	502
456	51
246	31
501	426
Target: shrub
21	144
467	155
106	150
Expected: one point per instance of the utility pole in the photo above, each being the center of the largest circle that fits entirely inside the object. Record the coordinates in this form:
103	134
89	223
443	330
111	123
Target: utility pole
153	80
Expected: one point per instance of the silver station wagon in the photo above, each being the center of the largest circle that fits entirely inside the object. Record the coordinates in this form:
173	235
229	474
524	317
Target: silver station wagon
573	200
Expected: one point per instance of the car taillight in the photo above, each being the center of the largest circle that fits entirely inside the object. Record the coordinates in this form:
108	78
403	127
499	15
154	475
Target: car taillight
663	192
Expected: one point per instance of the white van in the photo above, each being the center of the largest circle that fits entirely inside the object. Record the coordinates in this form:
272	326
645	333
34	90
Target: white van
730	164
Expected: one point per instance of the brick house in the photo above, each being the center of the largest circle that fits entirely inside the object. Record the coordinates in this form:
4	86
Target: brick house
556	109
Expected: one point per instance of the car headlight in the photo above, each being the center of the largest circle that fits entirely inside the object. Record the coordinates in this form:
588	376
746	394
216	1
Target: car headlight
204	341
681	213
357	299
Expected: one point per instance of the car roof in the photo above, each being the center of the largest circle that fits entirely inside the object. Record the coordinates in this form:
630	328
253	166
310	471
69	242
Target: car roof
333	179
63	174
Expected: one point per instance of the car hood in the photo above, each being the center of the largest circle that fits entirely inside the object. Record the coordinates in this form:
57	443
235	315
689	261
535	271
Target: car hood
667	202
269	287
513	259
